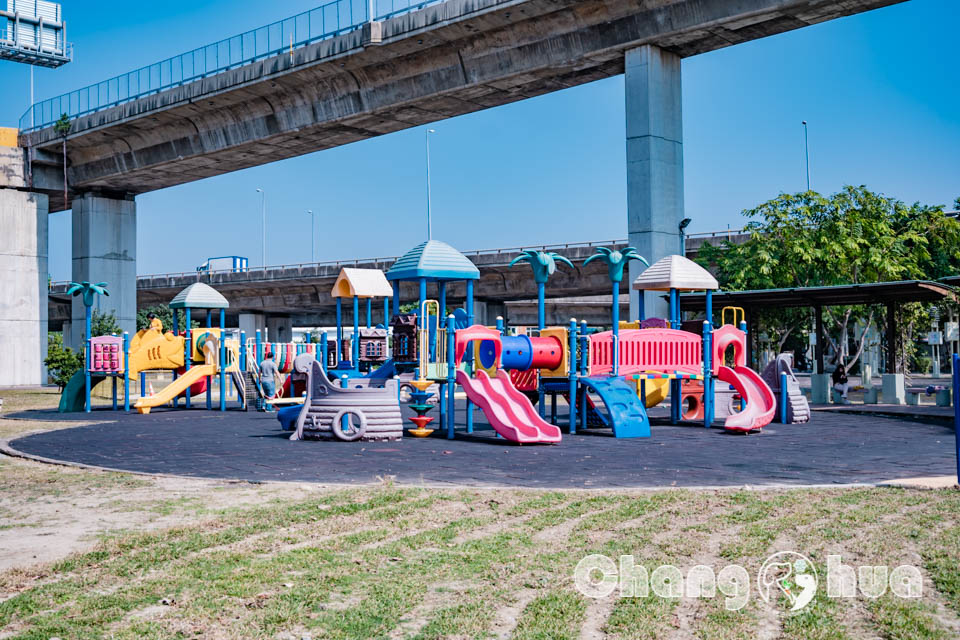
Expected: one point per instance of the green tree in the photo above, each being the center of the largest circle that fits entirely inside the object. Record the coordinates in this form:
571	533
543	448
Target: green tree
62	362
104	324
853	236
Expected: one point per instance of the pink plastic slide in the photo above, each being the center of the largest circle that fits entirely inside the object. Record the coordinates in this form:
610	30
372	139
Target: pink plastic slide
510	412
761	403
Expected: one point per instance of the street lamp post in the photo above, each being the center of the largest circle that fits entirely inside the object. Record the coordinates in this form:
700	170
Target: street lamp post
429	223
263	227
806	152
313	235
683	228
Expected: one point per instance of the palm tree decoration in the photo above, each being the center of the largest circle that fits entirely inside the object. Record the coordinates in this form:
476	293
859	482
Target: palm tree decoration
89	292
544	265
616	261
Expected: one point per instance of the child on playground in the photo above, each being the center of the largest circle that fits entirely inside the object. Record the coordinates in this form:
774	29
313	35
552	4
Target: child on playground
268	377
840	381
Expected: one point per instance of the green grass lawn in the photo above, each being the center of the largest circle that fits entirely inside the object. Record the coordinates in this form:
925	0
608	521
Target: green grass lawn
171	558
399	563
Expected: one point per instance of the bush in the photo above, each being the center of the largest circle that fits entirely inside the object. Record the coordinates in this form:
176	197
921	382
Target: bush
62	362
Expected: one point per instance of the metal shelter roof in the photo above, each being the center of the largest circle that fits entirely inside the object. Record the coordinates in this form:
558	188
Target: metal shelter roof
362	283
434	260
199	296
675	272
843	294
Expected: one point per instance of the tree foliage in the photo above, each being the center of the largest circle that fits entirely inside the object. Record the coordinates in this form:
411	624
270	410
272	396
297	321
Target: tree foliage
165	314
854	236
104	323
62	362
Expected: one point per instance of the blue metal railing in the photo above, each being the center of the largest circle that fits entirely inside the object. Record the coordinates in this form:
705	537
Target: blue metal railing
323	22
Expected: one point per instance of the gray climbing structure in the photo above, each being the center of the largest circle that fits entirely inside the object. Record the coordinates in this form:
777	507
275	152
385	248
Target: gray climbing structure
798	409
331	412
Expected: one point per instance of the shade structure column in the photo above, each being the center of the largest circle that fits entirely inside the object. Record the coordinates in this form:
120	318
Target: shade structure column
654	128
819	380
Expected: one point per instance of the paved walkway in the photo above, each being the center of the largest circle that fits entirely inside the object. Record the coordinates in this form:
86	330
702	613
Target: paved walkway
833	449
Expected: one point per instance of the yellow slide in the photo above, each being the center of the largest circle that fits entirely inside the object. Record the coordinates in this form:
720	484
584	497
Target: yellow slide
176	387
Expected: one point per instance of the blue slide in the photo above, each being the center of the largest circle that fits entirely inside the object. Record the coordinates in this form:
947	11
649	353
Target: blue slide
627	415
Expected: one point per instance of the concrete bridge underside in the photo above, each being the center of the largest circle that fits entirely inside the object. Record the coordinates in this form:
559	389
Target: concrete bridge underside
445	60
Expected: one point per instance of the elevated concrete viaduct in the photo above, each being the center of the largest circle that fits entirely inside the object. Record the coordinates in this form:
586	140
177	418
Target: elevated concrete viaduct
441	61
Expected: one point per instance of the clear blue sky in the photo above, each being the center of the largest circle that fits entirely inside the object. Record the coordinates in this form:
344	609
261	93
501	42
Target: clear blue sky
880	92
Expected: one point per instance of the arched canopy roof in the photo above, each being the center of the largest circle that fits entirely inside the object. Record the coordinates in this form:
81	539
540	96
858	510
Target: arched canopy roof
362	283
675	272
433	260
199	296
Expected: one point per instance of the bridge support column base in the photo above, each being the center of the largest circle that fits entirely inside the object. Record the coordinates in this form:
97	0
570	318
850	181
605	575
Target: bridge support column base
23	281
654	162
105	250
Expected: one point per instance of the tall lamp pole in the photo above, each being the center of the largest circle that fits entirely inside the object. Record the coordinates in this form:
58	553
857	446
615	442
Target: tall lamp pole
682	227
313	235
263	227
429	223
806	152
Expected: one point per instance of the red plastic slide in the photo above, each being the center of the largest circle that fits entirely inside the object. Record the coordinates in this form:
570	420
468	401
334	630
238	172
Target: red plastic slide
761	403
509	411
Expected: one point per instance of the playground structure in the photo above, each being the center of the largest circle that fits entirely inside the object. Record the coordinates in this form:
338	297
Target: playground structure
609	378
344	413
196	356
792	405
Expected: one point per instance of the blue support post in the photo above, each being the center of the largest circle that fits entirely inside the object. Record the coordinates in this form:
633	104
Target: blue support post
584	370
469	307
615	313
707	366
709	384
451	377
113	380
386	312
355	341
956	408
674	384
783	398
541	311
369	312
126	371
143	383
442	297
223	361
339	328
187	352
396	298
424	322
469	310
86	358
572	374
641	310
243	351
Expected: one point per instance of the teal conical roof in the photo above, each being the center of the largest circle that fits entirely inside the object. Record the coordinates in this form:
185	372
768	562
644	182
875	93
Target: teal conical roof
199	296
434	260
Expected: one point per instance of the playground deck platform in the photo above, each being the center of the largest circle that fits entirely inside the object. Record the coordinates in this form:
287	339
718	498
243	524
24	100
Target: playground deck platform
836	448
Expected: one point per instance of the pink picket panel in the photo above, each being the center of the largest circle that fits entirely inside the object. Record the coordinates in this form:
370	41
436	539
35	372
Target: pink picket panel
664	350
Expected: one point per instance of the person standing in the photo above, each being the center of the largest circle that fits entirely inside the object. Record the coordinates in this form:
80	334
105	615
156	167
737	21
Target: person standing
269	374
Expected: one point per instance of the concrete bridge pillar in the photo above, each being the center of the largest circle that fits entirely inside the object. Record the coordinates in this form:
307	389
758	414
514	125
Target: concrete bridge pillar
280	328
23	287
654	162
105	250
250	323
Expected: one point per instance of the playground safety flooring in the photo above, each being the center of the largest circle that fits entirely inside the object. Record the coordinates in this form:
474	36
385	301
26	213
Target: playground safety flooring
836	448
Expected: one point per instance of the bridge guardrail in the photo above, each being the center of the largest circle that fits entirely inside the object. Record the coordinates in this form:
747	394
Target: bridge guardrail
254	274
320	23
